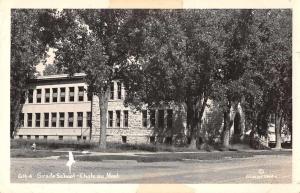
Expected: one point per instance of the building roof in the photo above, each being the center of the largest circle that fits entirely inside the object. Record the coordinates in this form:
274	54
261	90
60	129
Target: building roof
58	77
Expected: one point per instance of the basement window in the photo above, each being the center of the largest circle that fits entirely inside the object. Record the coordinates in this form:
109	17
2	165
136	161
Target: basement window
124	139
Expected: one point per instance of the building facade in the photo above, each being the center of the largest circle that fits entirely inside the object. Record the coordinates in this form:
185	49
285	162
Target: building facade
58	107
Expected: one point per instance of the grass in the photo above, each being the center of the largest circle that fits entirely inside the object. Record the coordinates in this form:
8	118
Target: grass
93	146
27	153
165	157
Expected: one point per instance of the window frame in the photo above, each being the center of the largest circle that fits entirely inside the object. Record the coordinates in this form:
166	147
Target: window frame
144	118
52	118
37	121
110	119
38	96
79	120
118	118
125	118
29	120
62	96
61	122
47	95
46	120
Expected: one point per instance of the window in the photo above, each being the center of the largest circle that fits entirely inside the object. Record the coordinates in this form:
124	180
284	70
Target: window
60	137
79	119
144	119
46	119
47	95
38	95
71	94
112	91
89	119
110	118
119	87
152	139
21	118
170	118
29	120
54	95
124	139
80	93
53	119
118	118
62	94
28	137
30	96
36	137
78	137
70	119
37	119
168	140
20	136
61	119
125	121
152	118
161	115
45	137
84	138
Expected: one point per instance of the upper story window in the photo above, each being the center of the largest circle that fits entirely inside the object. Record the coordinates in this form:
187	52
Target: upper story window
29	120
30	96
119	88
80	93
47	95
54	95
125	120
144	119
62	94
118	118
112	91
38	95
110	119
71	94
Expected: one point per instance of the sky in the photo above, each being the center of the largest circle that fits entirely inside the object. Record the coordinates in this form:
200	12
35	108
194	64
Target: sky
49	60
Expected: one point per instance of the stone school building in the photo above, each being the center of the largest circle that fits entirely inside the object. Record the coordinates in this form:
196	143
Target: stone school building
57	107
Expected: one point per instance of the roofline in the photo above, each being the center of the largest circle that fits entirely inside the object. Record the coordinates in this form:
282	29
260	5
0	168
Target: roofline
58	77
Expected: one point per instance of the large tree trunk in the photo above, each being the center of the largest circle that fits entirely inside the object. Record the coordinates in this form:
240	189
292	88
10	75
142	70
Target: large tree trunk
228	122
278	120
103	104
16	109
196	120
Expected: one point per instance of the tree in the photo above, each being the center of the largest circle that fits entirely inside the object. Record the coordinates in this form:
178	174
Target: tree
90	45
51	69
28	46
174	61
274	52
